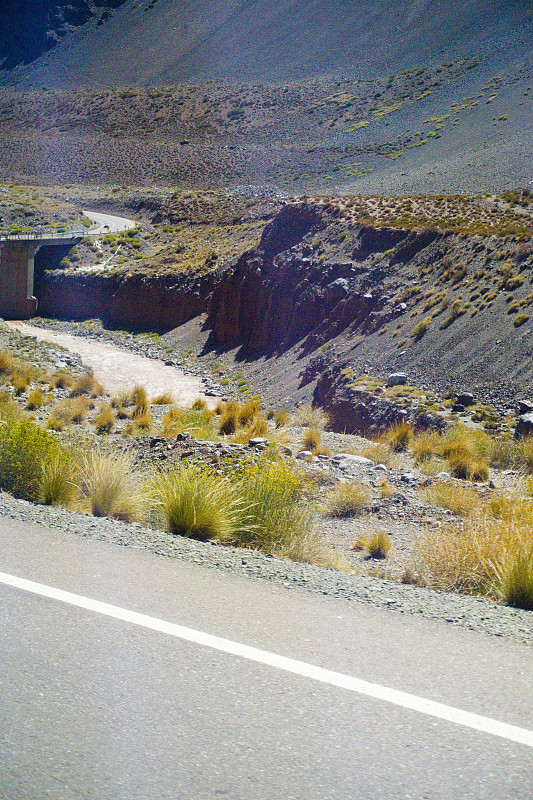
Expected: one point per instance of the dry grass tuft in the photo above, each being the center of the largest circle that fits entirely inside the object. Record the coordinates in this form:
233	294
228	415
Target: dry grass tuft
281	418
311	417
485	555
348	499
399	436
462	502
87	385
109	486
105	419
164	399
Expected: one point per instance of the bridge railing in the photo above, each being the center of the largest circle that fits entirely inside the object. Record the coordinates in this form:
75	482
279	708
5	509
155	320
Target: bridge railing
40	234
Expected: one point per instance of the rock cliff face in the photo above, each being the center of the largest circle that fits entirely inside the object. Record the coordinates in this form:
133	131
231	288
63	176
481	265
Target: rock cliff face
285	291
29	29
133	302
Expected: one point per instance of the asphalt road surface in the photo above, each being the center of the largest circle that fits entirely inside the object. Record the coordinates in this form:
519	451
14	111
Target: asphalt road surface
128	676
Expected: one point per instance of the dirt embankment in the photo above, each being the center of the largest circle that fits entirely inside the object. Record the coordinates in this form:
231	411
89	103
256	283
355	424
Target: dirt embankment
323	292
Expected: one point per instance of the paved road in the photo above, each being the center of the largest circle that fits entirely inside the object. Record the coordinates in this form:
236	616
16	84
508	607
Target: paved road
97	706
107	223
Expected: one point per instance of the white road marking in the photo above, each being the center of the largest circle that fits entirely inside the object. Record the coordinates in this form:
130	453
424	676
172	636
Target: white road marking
394	696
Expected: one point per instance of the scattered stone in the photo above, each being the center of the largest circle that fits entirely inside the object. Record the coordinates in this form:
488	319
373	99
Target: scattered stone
408	477
397	379
459	407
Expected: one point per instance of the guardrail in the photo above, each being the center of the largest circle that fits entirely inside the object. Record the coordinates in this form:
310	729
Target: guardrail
42	234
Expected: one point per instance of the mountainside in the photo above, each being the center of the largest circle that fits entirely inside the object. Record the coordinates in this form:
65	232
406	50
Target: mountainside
297	97
169	41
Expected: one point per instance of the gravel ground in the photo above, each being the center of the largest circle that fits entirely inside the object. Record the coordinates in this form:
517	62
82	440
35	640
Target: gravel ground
465	612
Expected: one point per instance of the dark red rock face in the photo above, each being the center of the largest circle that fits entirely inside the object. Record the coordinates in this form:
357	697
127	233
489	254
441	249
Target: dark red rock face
135	302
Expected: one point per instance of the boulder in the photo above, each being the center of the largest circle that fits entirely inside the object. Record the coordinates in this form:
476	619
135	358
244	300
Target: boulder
524	426
397	379
258	441
465	399
349	458
336	290
525	406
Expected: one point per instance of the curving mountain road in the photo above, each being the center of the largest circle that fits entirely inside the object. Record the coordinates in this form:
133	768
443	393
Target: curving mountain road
107	223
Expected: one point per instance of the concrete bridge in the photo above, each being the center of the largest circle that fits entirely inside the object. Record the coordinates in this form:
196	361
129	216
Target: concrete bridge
17	259
17	267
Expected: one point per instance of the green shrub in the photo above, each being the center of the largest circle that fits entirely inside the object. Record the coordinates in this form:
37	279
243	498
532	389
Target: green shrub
420	329
520	319
24	448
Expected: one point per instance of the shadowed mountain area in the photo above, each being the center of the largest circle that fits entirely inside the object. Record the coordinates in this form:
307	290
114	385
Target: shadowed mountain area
300	95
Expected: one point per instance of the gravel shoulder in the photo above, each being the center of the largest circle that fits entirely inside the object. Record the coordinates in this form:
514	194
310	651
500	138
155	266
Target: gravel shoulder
465	612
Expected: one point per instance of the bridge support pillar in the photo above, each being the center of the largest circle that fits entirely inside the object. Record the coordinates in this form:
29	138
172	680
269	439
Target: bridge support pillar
16	280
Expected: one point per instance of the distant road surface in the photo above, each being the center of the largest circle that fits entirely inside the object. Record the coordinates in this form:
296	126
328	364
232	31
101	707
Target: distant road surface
106	223
114	686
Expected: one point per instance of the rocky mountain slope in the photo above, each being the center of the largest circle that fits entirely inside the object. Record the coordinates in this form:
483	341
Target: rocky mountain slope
292	97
